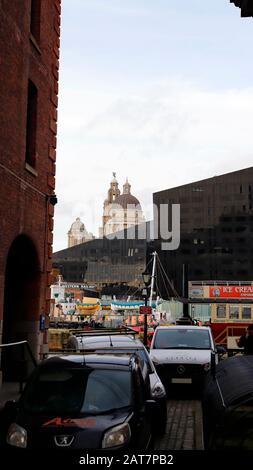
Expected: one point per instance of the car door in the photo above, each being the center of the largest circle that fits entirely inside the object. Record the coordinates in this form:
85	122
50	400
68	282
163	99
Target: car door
143	413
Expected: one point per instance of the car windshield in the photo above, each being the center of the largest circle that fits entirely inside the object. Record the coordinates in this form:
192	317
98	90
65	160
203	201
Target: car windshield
182	339
77	390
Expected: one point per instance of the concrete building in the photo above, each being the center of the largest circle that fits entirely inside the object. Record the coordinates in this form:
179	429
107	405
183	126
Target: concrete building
29	44
121	211
78	234
216	229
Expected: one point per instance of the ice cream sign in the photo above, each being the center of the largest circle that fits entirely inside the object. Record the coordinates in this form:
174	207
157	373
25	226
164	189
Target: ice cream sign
239	292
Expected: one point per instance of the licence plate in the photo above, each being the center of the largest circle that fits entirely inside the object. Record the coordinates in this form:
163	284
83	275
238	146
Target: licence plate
181	381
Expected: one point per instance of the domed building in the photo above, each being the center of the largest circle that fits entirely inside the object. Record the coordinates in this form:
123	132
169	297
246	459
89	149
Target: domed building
78	234
121	211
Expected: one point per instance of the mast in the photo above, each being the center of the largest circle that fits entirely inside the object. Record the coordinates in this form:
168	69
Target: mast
152	278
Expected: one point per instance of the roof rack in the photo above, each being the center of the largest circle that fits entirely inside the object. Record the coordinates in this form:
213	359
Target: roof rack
88	352
105	332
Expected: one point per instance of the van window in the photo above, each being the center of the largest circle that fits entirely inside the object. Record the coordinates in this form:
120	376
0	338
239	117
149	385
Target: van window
182	338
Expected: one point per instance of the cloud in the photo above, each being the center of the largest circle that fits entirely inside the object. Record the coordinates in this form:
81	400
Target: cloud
116	7
160	136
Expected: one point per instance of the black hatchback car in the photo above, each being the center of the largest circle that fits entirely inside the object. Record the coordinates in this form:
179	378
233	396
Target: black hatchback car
228	405
82	402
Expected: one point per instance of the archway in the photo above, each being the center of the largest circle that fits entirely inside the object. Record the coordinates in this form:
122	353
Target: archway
21	303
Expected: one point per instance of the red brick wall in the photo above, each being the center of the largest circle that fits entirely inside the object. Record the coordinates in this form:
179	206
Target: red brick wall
24	205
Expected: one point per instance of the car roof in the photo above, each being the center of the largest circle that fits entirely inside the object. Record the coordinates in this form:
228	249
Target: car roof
90	359
113	341
182	327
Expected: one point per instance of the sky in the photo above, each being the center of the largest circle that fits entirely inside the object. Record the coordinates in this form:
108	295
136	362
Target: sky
159	91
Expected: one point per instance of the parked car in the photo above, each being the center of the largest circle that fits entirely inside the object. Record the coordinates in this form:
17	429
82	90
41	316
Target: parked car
228	405
82	402
182	354
127	343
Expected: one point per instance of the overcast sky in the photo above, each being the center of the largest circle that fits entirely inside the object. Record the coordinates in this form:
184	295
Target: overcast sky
160	91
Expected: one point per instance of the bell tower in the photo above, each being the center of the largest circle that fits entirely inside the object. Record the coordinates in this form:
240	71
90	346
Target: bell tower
113	192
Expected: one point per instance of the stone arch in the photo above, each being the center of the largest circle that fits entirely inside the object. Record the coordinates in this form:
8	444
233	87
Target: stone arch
21	302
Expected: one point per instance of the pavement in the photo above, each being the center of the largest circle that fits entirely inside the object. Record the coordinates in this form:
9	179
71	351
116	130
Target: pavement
184	426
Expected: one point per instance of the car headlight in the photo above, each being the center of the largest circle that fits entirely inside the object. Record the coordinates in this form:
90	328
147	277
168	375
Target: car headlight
206	366
117	436
158	390
17	436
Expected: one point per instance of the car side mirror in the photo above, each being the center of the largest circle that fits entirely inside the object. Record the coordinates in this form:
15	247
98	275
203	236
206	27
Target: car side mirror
220	349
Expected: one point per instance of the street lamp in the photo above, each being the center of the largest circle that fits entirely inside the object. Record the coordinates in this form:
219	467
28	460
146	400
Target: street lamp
146	276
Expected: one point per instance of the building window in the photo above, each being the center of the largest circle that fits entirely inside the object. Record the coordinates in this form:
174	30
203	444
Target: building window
221	311
130	252
35	19
31	124
246	313
233	312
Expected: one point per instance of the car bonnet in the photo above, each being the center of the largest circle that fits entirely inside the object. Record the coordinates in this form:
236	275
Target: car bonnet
175	356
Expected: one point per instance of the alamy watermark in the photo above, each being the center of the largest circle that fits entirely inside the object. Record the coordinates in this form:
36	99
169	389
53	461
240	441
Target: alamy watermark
128	223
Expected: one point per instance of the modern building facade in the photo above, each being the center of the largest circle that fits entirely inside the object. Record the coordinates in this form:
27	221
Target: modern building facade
113	261
216	229
29	44
246	7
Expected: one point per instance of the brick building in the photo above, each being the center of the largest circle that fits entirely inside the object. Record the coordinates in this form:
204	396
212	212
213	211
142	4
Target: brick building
29	64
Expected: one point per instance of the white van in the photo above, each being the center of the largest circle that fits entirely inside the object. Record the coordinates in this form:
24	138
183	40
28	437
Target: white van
182	353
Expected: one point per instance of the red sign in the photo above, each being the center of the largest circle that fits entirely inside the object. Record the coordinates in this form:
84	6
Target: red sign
145	310
239	292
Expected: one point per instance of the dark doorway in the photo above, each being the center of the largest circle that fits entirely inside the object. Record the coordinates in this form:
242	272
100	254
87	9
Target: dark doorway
21	304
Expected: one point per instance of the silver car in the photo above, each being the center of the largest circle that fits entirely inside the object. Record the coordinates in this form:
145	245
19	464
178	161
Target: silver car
127	344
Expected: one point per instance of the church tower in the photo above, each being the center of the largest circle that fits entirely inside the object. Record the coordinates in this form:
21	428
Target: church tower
78	234
127	187
113	193
121	211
